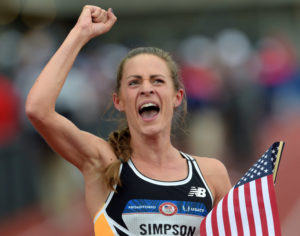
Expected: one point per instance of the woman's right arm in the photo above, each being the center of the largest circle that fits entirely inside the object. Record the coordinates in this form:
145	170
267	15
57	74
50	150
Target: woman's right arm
76	146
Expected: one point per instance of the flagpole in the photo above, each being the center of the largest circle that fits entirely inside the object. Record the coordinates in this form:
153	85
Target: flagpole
278	158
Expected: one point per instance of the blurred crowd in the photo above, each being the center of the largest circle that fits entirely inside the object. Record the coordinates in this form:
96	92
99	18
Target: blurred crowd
237	90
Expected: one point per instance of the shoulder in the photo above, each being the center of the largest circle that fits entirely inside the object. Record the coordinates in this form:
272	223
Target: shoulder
216	176
211	166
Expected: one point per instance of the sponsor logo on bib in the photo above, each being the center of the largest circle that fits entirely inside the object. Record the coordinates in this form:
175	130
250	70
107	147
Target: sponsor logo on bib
168	209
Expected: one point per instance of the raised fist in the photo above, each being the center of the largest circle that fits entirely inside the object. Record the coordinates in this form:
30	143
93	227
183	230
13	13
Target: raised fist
94	21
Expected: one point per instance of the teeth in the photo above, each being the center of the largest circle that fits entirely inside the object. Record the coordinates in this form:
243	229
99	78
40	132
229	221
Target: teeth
148	105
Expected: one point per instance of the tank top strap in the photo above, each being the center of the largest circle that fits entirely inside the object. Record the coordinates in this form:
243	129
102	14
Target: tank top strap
197	170
186	156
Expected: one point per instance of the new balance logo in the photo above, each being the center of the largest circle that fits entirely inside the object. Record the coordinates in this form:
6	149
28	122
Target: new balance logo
197	191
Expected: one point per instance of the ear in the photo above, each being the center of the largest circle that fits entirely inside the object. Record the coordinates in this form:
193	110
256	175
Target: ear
117	102
178	98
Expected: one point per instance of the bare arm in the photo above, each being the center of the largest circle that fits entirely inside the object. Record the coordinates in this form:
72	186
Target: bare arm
76	146
216	176
221	182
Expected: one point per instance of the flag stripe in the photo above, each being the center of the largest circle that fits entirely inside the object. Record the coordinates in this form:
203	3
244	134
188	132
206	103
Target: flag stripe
255	208
261	207
226	216
233	227
214	225
274	207
237	212
249	209
203	227
208	226
267	204
220	218
243	210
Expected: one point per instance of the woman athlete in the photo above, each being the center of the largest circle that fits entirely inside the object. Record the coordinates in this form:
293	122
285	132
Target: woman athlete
137	182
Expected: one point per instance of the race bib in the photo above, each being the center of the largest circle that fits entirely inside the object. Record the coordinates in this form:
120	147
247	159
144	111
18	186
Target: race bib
163	217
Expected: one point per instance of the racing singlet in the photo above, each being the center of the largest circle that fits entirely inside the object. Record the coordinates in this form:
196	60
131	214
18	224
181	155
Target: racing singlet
143	206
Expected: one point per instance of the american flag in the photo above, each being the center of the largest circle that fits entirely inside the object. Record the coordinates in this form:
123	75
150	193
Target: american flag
250	207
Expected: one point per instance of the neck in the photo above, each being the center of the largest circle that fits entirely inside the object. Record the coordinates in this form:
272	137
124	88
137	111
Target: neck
157	148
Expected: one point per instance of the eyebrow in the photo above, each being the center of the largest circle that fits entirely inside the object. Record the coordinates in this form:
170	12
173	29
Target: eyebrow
140	77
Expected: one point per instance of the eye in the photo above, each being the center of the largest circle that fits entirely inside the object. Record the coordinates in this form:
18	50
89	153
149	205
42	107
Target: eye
158	81
133	82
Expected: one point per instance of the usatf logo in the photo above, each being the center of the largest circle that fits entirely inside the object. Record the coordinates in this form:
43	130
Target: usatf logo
197	191
168	209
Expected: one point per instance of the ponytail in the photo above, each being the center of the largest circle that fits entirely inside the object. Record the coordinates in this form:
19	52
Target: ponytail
119	140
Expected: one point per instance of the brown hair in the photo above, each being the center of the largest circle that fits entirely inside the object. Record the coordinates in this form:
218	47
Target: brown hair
120	139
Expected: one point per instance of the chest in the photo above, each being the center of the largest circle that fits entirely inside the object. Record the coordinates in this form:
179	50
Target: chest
146	206
163	174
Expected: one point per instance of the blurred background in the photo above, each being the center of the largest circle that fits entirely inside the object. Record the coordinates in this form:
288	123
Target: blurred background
239	62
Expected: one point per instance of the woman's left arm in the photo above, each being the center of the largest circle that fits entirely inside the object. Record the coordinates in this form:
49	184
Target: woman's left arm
221	182
216	176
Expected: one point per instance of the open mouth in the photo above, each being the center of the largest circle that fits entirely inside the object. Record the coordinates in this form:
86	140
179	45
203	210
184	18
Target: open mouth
149	110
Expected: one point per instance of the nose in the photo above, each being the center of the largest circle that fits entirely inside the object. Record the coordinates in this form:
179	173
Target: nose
147	88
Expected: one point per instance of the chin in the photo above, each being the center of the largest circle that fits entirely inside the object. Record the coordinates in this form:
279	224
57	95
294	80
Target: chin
152	130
